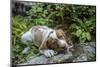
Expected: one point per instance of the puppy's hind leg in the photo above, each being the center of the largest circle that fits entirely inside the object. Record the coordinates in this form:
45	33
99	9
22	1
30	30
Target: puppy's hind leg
25	51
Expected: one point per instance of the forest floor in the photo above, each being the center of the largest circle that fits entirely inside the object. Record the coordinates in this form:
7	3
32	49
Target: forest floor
82	53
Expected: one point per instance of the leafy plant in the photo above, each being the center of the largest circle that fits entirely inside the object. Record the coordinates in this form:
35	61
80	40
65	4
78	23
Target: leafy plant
19	26
83	29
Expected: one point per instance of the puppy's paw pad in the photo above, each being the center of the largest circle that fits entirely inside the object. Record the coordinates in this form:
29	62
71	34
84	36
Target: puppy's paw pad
49	53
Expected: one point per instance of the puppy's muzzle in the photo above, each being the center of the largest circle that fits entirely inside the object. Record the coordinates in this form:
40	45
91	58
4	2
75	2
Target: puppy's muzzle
66	49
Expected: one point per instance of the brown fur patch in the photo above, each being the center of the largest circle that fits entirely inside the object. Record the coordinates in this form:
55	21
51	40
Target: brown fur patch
52	43
60	34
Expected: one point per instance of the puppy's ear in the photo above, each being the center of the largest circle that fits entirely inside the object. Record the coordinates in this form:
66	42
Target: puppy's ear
60	33
52	43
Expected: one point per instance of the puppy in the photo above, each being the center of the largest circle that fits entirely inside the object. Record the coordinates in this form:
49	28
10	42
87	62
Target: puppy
50	41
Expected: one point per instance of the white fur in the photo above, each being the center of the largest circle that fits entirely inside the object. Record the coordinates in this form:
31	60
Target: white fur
53	35
26	37
48	52
25	51
62	42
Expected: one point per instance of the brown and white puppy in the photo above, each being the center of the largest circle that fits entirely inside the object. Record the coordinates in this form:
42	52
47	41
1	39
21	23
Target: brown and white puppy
49	40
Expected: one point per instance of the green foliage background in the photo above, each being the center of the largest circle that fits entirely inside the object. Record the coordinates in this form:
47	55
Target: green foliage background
78	19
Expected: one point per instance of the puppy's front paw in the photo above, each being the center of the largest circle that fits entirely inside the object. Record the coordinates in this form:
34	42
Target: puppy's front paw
49	53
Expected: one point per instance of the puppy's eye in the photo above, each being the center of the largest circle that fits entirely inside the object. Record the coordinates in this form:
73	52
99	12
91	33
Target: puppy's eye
61	37
56	39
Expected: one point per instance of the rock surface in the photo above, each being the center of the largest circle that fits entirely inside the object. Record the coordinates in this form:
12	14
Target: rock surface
82	52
